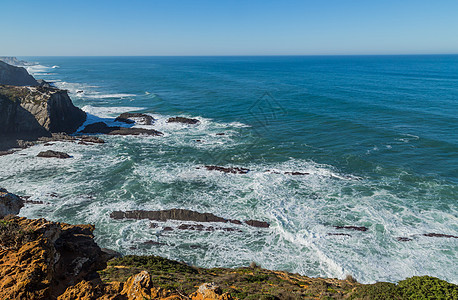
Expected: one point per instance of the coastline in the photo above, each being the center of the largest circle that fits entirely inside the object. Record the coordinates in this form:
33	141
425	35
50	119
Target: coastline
293	171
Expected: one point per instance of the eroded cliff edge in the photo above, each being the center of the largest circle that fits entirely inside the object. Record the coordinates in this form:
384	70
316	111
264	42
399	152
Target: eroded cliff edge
27	113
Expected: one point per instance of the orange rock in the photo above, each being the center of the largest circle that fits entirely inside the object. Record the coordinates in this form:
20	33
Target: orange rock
210	291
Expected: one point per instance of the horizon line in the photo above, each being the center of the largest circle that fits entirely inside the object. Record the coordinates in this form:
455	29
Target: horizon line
239	55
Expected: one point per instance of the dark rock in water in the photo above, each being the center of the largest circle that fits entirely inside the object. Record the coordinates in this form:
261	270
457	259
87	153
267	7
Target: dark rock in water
255	223
127	121
181	215
79	92
92	139
183	120
200	227
167	229
221	133
154	243
6	152
297	173
98	127
10	204
441	235
51	153
339	234
129	118
170	214
135	131
101	127
12	75
357	228
48	144
233	170
403	239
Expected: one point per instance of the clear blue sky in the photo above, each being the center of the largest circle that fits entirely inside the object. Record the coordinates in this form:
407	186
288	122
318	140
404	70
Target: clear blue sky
201	27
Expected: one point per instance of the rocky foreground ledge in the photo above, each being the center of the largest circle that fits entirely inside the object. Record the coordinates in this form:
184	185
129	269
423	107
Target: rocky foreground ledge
42	260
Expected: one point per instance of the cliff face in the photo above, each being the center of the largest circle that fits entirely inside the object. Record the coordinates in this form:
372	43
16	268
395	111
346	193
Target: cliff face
37	111
12	75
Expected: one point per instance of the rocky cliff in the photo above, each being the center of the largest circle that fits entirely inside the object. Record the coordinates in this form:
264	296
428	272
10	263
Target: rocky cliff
32	112
13	75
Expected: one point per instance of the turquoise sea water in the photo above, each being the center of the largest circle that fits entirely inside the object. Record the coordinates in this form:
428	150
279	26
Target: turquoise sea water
378	135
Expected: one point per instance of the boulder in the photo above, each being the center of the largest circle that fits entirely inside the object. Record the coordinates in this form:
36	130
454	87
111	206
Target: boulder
210	291
51	153
259	224
101	127
131	118
10	204
183	120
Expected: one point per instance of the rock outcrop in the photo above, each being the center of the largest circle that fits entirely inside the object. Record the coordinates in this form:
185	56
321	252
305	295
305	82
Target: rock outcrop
131	118
12	75
32	112
54	154
11	60
101	127
182	120
41	259
10	204
181	215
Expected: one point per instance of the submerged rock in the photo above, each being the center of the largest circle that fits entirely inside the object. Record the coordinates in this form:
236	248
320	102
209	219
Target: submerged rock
255	223
183	120
440	235
51	153
10	204
131	118
232	170
357	228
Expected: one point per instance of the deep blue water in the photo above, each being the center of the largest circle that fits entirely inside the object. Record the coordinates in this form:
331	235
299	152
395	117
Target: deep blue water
378	135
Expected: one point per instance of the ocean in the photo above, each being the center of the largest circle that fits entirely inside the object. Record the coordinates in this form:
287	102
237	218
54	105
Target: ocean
377	135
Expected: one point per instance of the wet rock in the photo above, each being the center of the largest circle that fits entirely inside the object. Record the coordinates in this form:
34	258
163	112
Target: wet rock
167	228
232	170
259	224
10	204
181	215
440	235
339	234
2	153
131	118
200	227
297	173
55	154
357	228
403	239
153	243
101	127
92	139
170	214
220	133
182	120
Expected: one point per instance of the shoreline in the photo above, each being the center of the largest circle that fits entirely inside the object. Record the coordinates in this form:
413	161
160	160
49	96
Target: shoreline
223	167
